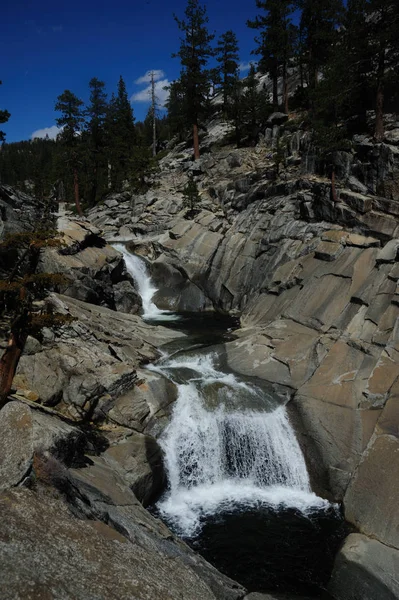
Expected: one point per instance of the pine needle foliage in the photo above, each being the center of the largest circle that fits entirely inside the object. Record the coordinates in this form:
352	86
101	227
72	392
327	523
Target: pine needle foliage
20	290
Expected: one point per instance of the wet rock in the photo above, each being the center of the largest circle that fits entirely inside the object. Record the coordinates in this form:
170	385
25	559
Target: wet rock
126	298
366	569
140	460
147	406
175	291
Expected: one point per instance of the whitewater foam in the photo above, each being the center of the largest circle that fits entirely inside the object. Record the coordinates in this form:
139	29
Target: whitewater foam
217	458
137	268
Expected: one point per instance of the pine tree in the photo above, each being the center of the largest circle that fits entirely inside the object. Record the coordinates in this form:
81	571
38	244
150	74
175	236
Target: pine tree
236	111
228	57
72	121
4	116
176	105
318	26
195	50
95	127
18	293
276	42
383	26
120	134
191	195
40	168
254	108
343	92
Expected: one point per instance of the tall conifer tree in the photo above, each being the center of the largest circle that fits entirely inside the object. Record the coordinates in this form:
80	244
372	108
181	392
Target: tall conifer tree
96	113
383	25
72	121
195	50
121	135
176	106
275	42
227	57
318	25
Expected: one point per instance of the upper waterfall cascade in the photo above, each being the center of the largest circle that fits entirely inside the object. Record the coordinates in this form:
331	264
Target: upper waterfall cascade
137	268
218	457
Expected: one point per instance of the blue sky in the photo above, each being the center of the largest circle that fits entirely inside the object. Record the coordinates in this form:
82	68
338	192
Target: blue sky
49	46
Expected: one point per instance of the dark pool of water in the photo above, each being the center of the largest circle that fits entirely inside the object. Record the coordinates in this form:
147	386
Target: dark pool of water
271	550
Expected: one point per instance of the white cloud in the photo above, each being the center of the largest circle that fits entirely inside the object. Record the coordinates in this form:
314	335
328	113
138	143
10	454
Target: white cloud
52	132
158	74
245	66
160	93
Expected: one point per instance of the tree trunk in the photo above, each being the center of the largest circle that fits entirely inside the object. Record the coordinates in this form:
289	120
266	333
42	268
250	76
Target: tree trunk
94	186
285	89
8	365
76	190
379	105
275	92
334	196
196	142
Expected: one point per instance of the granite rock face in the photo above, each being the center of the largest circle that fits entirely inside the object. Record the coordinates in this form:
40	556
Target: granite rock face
84	368
316	284
365	569
101	561
95	271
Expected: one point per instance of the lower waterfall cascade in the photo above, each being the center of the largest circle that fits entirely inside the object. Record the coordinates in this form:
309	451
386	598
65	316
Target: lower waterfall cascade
238	488
224	455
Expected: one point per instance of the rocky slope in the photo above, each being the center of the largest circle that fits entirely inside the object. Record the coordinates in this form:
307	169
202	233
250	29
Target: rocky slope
78	456
316	284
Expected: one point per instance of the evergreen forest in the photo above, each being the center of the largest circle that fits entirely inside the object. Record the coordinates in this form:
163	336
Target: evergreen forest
334	65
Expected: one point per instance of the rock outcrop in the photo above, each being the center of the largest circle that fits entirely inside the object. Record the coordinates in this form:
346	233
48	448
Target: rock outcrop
133	557
83	368
316	283
95	271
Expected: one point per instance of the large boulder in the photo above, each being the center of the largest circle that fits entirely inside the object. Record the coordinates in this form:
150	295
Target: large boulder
371	501
18	211
95	272
84	367
147	406
140	460
366	569
24	431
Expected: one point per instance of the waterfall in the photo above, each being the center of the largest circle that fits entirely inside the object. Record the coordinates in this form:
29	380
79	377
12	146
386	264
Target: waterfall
137	268
218	456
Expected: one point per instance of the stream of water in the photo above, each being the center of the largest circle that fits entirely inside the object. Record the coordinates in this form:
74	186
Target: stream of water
137	268
238	487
